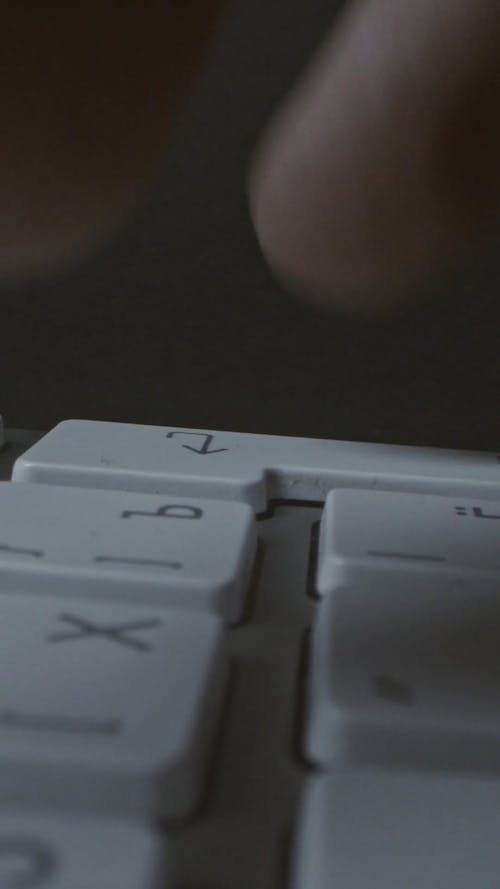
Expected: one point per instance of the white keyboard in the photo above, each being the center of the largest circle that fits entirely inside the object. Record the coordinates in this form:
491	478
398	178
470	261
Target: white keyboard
234	661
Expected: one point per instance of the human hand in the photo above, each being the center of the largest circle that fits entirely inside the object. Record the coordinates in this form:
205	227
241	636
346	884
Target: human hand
88	93
384	163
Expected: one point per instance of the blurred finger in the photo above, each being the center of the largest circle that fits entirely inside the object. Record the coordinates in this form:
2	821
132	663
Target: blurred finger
88	94
384	162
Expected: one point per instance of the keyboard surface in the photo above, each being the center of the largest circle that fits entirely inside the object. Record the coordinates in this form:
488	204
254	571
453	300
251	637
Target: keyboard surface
247	662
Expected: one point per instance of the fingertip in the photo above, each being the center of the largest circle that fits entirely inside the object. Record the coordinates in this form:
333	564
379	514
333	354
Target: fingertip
373	176
88	101
308	252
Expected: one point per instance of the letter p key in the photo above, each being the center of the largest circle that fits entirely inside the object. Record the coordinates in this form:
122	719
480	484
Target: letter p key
173	511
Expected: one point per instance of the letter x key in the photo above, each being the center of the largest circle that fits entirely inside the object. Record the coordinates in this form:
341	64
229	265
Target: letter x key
84	628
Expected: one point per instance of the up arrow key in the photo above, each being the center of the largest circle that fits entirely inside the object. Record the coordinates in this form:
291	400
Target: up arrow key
205	448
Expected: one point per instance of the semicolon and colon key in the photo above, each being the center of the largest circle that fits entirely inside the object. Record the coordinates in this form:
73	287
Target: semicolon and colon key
167	551
405	648
378	534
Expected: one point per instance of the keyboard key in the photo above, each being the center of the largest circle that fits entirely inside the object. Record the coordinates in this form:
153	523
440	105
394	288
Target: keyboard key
405	673
369	830
50	852
363	532
252	468
106	707
189	553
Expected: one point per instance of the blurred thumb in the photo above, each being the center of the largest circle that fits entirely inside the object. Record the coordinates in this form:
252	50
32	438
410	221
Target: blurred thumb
384	162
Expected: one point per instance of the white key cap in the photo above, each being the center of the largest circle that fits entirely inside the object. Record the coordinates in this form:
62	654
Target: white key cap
49	852
195	554
104	707
369	830
253	468
363	532
405	673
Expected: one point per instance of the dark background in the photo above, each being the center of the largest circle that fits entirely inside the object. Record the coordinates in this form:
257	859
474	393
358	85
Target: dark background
178	321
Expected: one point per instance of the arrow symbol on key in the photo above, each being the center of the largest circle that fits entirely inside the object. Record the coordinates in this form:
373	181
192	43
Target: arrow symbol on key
205	448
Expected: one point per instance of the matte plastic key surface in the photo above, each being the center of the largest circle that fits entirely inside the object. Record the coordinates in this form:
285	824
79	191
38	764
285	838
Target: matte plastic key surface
168	551
252	468
44	851
403	673
375	830
366	533
107	707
